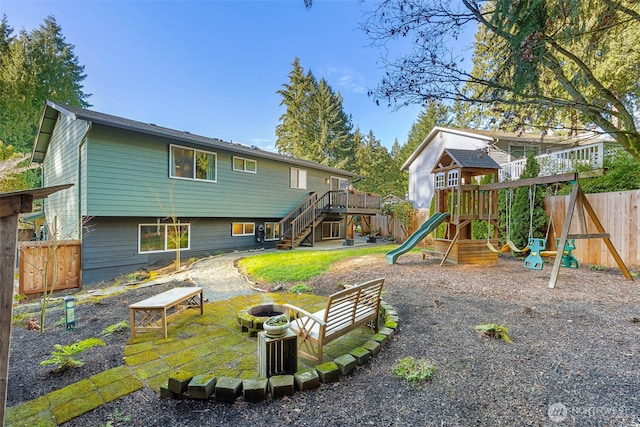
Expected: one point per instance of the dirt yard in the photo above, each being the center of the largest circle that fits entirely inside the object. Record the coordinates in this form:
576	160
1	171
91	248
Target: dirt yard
574	360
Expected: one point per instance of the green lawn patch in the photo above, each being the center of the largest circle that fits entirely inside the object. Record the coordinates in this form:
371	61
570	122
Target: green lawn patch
298	266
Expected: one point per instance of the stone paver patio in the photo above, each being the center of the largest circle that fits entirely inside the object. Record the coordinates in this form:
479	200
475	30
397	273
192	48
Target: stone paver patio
211	343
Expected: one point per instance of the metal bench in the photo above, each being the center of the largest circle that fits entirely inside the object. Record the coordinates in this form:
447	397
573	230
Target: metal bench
153	313
345	311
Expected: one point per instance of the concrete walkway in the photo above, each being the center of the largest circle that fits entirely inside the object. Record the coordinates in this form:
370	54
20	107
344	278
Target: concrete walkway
217	275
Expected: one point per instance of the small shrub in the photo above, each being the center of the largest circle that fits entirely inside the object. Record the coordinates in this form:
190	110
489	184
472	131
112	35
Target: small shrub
414	370
19	298
115	328
62	356
137	276
596	267
21	318
97	300
277	320
301	288
60	322
493	330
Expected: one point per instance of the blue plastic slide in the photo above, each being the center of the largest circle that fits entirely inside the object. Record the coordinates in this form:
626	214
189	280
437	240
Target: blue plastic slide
427	227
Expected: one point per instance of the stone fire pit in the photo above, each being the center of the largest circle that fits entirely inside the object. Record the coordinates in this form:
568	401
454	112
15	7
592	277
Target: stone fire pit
251	320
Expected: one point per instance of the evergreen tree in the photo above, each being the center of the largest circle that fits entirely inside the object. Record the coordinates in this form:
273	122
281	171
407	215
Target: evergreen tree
295	125
314	125
35	66
376	166
528	217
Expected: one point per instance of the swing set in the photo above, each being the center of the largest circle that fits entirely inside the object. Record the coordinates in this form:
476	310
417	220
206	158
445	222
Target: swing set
579	204
509	245
464	201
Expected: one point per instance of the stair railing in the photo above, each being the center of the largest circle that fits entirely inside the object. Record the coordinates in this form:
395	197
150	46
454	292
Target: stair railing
303	216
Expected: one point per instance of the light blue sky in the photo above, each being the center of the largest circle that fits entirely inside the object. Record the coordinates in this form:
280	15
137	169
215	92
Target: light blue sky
213	67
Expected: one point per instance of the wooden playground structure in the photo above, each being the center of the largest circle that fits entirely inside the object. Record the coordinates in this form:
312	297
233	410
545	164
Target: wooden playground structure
465	202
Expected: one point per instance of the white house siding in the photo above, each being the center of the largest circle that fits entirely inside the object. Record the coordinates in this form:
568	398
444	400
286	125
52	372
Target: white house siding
420	177
61	167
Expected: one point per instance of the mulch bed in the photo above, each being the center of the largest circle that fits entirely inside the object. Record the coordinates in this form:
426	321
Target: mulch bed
574	356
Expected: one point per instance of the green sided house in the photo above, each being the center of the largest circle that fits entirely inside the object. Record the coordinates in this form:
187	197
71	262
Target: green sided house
137	185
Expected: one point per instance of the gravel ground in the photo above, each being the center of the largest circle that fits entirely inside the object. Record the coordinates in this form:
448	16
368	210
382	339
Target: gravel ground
574	359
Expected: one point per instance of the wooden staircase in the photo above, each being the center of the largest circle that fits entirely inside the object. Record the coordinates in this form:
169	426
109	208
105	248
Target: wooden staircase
297	227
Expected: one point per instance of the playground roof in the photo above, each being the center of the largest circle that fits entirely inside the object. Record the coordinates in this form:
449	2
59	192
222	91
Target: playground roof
470	158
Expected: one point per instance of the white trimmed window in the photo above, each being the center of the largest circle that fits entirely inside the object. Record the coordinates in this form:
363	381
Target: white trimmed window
271	231
163	237
452	178
339	183
298	178
440	180
241	164
187	163
242	229
331	230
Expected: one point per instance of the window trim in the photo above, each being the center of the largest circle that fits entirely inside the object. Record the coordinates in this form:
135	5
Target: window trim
277	225
244	232
331	224
440	180
453	178
300	172
163	225
195	151
244	164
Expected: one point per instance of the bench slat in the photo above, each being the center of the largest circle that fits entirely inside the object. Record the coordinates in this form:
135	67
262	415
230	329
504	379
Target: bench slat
345	311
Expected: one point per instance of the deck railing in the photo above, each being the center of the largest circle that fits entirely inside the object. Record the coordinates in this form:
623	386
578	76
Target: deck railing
308	211
354	200
558	162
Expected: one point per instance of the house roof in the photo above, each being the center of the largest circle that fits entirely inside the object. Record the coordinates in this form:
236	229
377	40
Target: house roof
53	110
486	136
471	159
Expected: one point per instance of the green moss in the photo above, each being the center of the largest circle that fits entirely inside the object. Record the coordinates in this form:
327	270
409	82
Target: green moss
203	349
120	388
110	376
391	324
249	374
42	419
170	346
180	358
327	367
131	349
70	392
154	383
181	375
201	380
199	366
27	409
82	404
151	369
140	358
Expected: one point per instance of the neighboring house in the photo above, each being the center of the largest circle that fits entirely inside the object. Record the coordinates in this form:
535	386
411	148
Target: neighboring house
133	182
555	154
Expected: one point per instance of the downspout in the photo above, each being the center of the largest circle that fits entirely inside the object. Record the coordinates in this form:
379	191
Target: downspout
82	143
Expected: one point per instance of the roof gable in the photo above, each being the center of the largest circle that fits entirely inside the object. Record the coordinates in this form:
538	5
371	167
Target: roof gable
465	159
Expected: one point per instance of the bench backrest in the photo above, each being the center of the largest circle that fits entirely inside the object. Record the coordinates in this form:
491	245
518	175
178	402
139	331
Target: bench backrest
347	306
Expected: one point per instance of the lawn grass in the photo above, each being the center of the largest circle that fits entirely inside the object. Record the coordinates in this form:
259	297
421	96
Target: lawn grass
298	266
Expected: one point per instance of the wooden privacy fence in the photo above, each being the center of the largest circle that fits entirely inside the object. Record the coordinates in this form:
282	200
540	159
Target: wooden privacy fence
619	215
61	258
